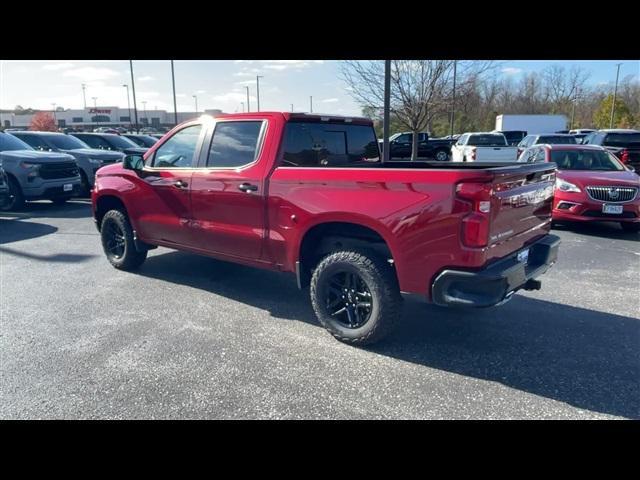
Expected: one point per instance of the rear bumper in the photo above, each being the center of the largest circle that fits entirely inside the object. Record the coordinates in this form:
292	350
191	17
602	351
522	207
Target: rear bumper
496	283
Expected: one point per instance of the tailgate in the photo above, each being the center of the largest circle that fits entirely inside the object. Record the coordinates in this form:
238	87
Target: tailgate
521	204
496	154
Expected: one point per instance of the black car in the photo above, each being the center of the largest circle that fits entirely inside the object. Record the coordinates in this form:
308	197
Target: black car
400	145
623	143
110	141
146	141
514	137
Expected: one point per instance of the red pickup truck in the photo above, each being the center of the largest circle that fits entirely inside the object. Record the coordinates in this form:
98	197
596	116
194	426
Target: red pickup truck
308	194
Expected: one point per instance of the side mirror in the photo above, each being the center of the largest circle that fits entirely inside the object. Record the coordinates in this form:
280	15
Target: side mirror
133	162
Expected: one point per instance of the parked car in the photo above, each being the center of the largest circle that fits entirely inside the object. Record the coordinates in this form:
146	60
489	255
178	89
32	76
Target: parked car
400	146
106	130
157	135
592	184
5	194
271	190
109	141
89	160
145	141
623	143
35	175
580	131
532	124
548	138
514	137
483	147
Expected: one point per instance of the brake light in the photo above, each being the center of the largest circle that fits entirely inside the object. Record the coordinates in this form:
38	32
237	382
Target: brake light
624	156
475	226
473	153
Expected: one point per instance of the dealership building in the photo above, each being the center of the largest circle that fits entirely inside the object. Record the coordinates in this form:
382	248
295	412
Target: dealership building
93	117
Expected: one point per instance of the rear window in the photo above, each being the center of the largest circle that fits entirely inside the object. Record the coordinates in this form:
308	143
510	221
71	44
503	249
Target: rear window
487	141
622	139
329	145
556	140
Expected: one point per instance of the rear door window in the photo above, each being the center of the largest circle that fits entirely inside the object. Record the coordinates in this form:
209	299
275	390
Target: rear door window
329	145
234	144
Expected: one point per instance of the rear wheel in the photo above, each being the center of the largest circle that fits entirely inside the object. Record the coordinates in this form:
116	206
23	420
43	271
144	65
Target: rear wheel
355	296
442	155
630	227
16	202
117	242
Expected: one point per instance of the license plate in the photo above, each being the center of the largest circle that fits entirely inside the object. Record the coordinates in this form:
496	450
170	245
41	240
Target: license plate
523	256
67	187
615	209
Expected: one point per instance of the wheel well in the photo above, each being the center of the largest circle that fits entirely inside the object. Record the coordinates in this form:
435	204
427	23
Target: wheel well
328	237
107	203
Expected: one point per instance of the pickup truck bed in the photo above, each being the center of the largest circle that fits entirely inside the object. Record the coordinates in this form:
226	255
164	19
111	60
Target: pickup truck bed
357	231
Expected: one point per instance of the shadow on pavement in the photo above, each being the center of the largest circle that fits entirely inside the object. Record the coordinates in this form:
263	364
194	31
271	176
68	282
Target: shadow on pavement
604	230
14	230
76	208
586	358
57	258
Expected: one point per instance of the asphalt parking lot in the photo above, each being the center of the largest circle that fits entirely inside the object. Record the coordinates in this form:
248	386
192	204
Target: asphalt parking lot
192	337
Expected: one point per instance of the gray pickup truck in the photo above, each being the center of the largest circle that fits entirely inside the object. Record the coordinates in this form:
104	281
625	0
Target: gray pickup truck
89	160
34	175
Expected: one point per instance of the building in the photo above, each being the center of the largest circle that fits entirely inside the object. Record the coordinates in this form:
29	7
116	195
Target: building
93	117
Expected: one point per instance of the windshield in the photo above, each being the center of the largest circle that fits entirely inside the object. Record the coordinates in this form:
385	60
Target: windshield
487	141
66	142
9	142
556	140
621	139
585	160
119	142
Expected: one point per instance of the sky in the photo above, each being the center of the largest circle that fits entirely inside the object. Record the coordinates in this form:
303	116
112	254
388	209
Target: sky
219	84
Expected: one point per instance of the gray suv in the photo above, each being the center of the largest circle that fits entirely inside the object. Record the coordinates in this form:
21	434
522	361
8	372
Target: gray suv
34	175
89	160
5	196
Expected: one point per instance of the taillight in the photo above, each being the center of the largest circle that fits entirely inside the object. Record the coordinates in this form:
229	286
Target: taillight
475	226
624	156
473	153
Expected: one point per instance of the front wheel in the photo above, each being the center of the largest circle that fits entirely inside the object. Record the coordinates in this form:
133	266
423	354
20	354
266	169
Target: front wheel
16	198
630	227
356	297
117	241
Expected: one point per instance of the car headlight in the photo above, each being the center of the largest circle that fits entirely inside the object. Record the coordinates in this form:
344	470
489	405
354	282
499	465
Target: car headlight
29	165
95	162
566	186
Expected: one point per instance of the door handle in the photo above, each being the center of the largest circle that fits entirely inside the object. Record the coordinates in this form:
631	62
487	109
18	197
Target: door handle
180	184
247	187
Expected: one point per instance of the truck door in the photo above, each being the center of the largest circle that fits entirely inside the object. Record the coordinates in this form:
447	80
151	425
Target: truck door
228	192
163	208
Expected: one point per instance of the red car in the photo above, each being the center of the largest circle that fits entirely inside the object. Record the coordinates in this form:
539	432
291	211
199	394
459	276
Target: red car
308	194
592	185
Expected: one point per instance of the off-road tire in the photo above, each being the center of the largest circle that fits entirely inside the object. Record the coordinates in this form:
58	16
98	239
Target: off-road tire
17	201
380	278
130	259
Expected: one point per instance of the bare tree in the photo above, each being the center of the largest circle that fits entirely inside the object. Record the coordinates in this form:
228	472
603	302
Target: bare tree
419	90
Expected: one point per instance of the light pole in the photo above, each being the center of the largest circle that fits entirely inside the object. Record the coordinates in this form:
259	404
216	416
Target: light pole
292	107
387	104
144	112
128	106
615	93
54	112
248	104
84	95
258	77
310	103
133	90
573	108
453	99
95	110
175	107
195	97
